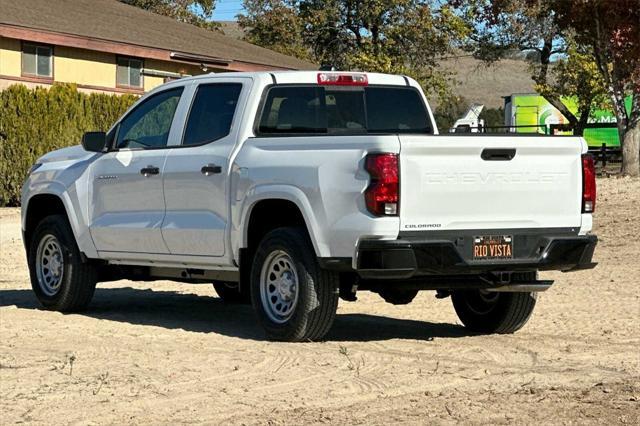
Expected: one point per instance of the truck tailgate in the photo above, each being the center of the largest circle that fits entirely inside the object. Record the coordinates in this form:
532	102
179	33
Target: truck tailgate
470	182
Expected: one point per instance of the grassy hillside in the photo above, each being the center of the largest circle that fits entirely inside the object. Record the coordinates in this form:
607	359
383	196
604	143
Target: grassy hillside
479	83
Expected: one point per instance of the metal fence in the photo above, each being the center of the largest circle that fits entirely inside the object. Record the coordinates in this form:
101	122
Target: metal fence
604	144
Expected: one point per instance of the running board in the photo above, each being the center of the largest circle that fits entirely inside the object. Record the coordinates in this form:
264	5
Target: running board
536	286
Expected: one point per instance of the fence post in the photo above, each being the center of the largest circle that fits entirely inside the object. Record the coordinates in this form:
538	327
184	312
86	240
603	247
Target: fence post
603	155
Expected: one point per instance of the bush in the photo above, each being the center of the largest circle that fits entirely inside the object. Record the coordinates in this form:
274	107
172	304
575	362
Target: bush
36	121
493	117
448	111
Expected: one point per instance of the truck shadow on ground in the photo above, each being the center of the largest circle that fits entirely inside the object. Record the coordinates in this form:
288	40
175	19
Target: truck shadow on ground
204	314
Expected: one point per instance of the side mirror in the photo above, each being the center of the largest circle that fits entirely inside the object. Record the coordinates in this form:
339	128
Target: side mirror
94	141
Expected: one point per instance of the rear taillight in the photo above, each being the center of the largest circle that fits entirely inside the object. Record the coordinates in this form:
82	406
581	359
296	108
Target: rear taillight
383	194
588	184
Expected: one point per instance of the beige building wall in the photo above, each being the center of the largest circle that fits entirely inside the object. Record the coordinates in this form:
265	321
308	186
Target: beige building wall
10	57
84	67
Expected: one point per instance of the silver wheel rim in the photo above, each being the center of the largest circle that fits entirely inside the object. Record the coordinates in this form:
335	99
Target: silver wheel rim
279	287
49	265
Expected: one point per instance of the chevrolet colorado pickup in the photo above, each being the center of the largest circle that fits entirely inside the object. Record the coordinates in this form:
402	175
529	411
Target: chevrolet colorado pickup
293	189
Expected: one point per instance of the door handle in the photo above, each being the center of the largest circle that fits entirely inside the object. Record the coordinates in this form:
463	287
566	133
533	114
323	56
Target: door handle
150	170
498	154
211	169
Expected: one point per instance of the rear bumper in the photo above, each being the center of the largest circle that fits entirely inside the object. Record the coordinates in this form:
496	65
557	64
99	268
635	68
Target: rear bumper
410	257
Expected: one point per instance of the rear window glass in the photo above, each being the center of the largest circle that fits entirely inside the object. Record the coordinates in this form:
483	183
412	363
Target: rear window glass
343	110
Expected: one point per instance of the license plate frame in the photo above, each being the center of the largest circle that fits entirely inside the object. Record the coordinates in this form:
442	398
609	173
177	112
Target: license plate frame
492	247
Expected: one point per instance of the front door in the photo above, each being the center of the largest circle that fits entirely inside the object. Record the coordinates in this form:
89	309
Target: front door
127	202
197	173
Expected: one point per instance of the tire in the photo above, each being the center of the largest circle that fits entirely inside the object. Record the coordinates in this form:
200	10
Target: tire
230	293
397	296
294	299
68	284
493	312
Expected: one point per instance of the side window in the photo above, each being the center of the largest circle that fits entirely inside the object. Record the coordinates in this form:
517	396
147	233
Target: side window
148	125
211	113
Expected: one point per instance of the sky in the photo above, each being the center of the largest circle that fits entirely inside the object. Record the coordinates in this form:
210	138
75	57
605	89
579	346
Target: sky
226	10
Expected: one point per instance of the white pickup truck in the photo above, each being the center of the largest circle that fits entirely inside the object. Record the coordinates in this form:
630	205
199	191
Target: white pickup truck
292	189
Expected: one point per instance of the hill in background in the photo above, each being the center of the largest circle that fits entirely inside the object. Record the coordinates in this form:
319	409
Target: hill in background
484	84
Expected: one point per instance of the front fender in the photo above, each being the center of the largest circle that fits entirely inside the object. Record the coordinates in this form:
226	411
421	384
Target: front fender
74	199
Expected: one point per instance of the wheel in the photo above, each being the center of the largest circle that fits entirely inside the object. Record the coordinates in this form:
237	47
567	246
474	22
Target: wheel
493	312
295	300
397	296
59	278
230	292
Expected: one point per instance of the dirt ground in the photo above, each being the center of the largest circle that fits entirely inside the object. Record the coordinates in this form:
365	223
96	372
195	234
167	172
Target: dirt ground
158	353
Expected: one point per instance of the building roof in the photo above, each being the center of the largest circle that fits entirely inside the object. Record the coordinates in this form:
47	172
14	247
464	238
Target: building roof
113	21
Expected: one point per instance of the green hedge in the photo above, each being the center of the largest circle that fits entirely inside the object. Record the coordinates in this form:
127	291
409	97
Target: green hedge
36	121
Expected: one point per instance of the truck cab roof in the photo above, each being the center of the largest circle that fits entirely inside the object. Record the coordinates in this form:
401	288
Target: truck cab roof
306	77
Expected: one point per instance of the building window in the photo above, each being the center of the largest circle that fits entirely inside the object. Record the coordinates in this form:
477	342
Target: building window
37	60
129	72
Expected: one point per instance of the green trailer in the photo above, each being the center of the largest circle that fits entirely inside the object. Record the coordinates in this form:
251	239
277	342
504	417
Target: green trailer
530	112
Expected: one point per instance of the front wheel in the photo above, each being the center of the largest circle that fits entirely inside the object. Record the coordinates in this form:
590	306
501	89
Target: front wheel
230	292
295	300
493	312
59	277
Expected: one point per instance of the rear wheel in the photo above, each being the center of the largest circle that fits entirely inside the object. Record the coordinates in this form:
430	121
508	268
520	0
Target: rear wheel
493	312
295	300
59	278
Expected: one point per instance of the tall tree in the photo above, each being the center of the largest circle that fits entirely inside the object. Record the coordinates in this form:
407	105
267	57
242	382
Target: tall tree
595	44
502	27
611	30
195	12
576	75
276	25
399	36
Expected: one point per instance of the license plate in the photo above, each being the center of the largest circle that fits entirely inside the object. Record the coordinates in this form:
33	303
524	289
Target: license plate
493	247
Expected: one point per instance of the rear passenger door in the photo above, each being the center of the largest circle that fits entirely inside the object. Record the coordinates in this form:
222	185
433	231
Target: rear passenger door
196	174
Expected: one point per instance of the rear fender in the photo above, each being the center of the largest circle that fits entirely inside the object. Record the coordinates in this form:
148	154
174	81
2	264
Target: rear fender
279	192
